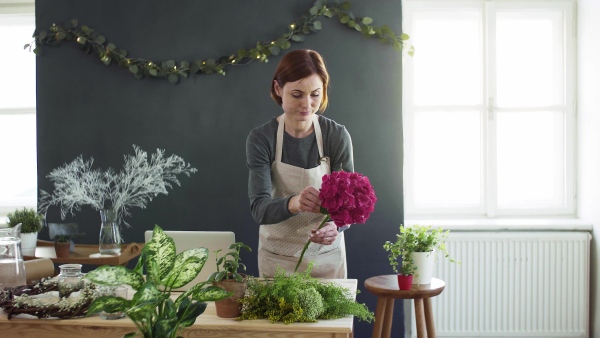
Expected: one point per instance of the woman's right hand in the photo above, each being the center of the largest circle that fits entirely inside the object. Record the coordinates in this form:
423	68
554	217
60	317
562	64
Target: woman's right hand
307	201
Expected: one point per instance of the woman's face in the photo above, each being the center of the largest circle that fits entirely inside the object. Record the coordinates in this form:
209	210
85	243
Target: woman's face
302	98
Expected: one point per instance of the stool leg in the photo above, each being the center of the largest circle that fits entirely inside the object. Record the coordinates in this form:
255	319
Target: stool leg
379	317
419	318
387	319
429	318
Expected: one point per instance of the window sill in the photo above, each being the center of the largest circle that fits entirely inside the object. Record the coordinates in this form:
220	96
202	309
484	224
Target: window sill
506	224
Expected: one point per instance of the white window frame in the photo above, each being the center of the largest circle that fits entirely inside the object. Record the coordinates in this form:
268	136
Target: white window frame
16	7
488	208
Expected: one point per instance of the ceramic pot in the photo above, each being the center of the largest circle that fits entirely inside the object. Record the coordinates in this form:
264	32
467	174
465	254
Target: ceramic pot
62	249
424	267
405	282
28	243
231	307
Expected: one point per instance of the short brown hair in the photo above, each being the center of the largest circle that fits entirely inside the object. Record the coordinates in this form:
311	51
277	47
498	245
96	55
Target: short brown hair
297	65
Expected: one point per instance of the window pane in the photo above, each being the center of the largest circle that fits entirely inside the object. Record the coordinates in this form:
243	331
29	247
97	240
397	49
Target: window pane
447	63
447	159
529	55
18	172
18	71
531	157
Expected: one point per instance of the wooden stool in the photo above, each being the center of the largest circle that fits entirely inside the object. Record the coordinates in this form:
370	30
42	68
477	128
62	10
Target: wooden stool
386	289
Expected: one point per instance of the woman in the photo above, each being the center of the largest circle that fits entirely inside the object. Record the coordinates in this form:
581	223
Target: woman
287	158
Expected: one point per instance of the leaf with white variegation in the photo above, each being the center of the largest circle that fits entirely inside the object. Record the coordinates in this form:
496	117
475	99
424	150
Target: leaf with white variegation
160	250
114	276
108	304
188	265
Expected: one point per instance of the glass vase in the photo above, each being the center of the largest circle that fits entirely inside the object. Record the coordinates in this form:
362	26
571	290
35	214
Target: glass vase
110	234
69	280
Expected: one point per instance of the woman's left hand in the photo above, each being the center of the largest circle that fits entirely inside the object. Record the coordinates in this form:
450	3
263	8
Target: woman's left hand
324	236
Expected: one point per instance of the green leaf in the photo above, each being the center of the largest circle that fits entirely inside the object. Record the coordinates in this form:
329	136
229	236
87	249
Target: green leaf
184	64
188	265
130	335
108	304
187	315
161	248
74	22
61	36
211	294
173	78
111	46
133	69
164	327
404	37
328	13
298	38
317	25
153	72
314	10
345	5
145	300
211	62
100	39
367	21
275	50
344	18
286	45
170	63
115	275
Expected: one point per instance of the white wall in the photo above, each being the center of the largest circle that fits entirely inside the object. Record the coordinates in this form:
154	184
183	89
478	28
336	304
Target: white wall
589	139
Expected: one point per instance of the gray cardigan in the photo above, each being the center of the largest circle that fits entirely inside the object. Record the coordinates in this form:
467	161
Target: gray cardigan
299	152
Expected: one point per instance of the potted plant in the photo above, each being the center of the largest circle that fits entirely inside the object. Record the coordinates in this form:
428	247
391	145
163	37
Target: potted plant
62	245
228	278
152	309
418	247
31	223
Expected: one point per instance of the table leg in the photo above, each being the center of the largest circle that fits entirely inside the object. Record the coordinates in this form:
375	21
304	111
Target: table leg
387	319
379	317
419	317
429	318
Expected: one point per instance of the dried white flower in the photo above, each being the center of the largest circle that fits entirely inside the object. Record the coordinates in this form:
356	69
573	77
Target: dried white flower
77	184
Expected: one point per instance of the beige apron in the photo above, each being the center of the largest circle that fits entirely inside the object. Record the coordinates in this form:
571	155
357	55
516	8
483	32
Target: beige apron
281	244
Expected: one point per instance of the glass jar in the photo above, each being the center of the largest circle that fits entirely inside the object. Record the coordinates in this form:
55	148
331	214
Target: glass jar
69	280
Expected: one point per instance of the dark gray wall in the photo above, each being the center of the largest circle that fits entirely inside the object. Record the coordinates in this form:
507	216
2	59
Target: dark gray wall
86	108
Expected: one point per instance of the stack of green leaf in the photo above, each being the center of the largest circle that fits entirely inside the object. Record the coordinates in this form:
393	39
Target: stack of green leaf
298	297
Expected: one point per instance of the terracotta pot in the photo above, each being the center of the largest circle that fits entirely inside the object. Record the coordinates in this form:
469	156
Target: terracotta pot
62	249
230	307
405	282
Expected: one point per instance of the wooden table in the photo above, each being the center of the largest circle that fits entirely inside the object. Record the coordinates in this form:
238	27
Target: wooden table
206	325
386	289
82	252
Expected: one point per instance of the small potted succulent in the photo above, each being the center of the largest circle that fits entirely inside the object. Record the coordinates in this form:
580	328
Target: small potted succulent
31	223
229	279
62	245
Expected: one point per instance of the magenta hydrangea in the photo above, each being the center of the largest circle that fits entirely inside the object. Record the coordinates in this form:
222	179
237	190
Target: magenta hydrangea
348	197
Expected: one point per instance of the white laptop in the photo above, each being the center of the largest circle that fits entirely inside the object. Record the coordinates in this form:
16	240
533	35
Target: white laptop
212	240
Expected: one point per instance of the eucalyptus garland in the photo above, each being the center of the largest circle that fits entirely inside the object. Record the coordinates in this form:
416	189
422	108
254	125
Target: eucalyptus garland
89	40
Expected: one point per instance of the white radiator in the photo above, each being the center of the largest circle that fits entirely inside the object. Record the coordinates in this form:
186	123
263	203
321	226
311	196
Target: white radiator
513	284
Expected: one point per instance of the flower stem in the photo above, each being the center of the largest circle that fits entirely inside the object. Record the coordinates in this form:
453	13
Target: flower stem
308	242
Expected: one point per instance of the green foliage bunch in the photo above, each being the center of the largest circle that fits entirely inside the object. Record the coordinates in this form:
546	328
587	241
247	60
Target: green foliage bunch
62	238
416	238
298	297
30	220
90	40
229	264
152	309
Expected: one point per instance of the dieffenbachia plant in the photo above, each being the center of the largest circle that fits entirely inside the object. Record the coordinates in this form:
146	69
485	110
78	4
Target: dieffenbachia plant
152	309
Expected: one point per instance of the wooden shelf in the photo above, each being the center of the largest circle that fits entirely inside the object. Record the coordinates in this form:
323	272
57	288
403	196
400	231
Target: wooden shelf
82	252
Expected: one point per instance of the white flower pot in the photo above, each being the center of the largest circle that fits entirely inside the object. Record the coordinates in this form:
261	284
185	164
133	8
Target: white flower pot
424	264
28	243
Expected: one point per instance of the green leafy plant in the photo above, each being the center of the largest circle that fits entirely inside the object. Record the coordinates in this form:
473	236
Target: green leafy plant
298	297
416	238
229	264
62	238
30	220
90	40
152	309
